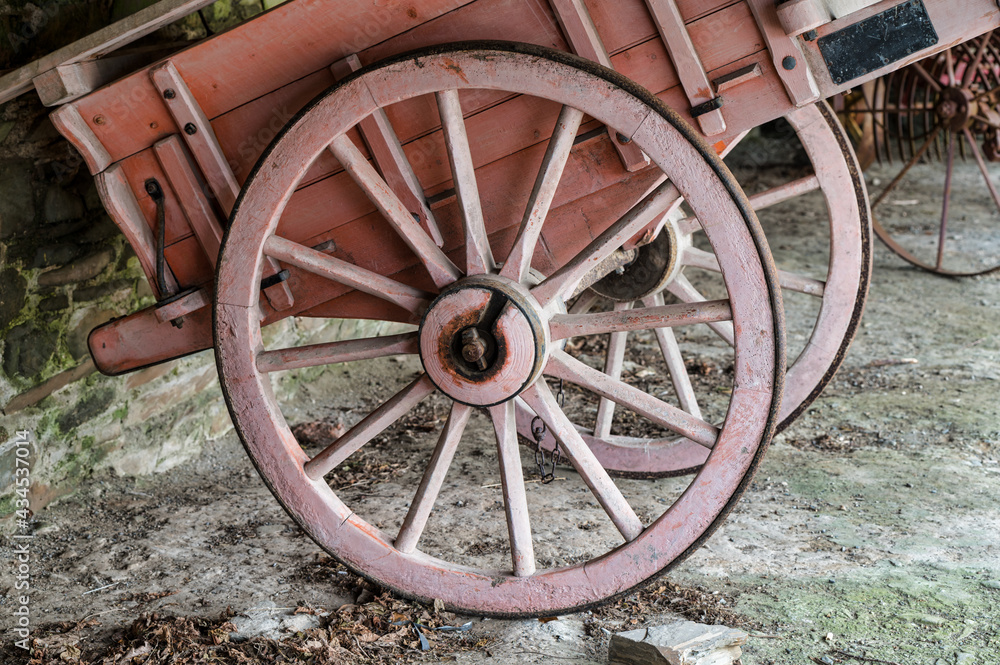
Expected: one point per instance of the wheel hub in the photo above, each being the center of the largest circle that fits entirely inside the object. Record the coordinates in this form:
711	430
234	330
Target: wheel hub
483	340
655	265
954	108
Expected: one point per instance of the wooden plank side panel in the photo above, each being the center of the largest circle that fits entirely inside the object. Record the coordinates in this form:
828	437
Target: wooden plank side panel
249	61
133	116
188	263
137	170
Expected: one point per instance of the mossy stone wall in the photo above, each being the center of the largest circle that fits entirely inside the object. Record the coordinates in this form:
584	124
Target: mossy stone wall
65	268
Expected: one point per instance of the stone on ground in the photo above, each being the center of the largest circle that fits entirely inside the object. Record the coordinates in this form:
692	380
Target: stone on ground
680	643
267	620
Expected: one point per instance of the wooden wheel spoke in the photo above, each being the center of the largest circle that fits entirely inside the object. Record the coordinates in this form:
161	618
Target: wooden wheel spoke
433	479
687	293
546	183
583	304
782	193
515	498
613	368
763	200
348	274
442	271
478	257
949	60
790	281
688	226
563	366
337	352
563	282
371	426
563	326
671	351
543	402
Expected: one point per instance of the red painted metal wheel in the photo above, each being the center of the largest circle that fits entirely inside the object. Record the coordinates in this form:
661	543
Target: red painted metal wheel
490	334
823	303
920	123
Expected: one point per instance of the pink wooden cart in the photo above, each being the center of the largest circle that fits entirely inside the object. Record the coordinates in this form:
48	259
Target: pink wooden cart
365	160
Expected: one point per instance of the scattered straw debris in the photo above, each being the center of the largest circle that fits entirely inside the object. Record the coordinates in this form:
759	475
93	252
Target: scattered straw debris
694	604
384	629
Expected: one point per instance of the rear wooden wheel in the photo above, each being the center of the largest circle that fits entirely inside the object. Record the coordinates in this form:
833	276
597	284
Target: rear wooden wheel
824	301
490	335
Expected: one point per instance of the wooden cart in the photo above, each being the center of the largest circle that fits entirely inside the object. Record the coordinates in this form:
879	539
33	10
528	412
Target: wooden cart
366	160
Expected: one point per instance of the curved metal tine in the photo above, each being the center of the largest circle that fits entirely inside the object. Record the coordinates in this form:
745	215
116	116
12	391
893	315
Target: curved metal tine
433	479
943	231
970	73
977	153
683	289
409	298
671	351
541	400
613	368
560	284
515	499
371	426
329	353
563	366
441	269
909	165
518	262
478	256
922	73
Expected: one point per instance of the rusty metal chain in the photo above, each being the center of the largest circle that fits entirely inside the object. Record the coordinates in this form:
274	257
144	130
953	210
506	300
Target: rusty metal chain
538	430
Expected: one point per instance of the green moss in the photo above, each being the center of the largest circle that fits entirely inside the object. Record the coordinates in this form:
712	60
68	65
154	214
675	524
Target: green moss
8	505
897	613
87	443
121	412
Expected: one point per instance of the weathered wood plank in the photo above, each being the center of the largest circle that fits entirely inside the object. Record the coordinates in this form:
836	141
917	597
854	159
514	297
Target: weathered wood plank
100	43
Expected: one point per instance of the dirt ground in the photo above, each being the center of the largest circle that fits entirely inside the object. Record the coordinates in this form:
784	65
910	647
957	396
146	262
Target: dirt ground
872	530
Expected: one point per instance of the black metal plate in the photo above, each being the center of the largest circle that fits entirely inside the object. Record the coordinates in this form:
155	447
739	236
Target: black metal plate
878	41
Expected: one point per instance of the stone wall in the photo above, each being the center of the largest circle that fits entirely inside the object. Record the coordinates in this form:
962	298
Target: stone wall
65	268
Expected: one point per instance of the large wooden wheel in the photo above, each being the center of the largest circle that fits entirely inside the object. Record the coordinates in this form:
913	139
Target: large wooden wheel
823	302
490	333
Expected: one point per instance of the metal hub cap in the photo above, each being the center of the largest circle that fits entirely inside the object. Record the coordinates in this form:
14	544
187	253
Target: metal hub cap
483	340
655	265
